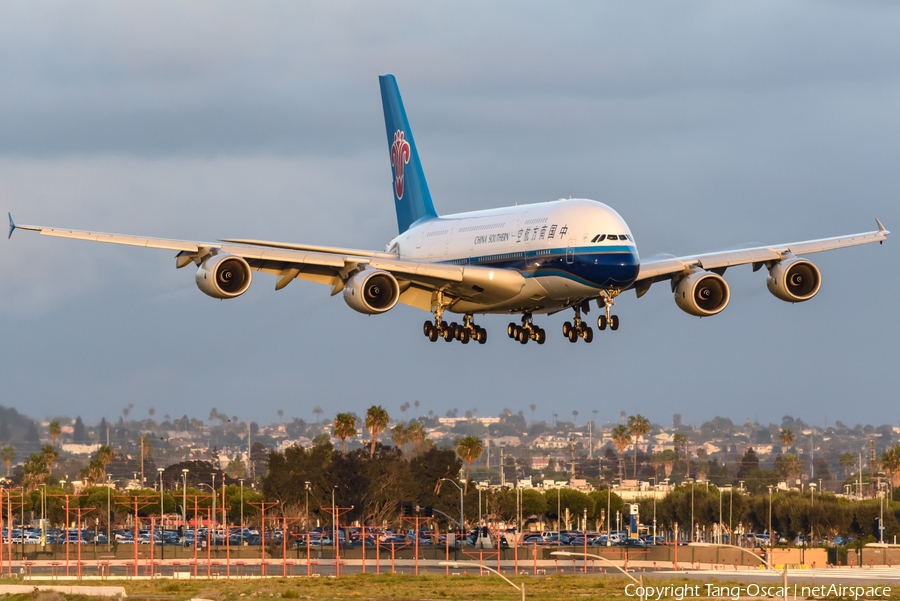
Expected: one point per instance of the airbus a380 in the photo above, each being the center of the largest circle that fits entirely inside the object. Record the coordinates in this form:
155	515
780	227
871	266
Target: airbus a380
524	260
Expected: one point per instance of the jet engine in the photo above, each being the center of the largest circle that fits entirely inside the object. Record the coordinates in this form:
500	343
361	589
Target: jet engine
224	276
372	291
702	294
794	280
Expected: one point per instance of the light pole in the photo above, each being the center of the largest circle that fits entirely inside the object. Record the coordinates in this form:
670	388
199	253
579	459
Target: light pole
462	528
184	473
162	521
334	521
108	512
720	515
214	507
608	517
472	564
242	507
43	509
693	526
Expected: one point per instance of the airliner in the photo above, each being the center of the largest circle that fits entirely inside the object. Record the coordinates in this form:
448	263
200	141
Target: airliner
524	260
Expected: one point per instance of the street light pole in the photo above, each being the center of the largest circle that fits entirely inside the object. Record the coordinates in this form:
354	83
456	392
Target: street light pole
162	522
108	511
242	508
213	541
184	473
462	528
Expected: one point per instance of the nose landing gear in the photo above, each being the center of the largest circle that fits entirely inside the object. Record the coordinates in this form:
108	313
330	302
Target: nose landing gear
527	331
606	303
577	328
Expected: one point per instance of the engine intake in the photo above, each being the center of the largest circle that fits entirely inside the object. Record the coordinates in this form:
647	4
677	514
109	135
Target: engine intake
372	291
794	280
702	294
224	276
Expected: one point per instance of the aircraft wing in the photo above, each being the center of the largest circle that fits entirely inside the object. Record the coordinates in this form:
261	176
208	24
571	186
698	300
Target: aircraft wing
657	270
326	265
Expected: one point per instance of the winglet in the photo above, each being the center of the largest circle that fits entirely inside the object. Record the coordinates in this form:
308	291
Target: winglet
12	226
881	227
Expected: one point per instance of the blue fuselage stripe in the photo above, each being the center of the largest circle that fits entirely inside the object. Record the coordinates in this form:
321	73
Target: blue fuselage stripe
613	266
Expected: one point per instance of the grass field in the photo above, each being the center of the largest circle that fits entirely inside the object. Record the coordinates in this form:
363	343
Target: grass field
383	587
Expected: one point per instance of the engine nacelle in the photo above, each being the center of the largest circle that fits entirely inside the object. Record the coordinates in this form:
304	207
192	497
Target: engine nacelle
794	280
372	291
702	294
224	276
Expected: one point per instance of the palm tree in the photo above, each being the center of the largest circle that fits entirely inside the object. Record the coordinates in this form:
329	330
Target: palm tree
8	454
55	430
786	437
469	450
49	455
146	444
403	409
416	405
621	438
890	463
415	433
317	411
376	421
574	416
532	407
669	458
104	457
847	460
399	436
344	428
638	426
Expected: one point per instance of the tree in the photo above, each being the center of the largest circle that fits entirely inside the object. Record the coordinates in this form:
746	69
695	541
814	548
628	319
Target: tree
847	460
105	456
621	438
344	428
532	407
146	444
54	430
749	463
317	411
890	463
638	427
399	436
49	455
236	468
8	454
79	432
786	437
680	442
416	405
403	409
789	466
469	450
376	421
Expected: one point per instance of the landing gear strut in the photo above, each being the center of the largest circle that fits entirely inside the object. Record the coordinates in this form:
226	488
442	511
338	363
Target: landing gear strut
577	328
527	331
606	302
463	332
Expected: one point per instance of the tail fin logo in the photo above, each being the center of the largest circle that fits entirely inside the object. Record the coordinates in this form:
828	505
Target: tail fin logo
399	158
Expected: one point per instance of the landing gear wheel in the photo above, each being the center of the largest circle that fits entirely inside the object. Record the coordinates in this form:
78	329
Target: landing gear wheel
613	322
567	327
572	335
463	335
426	329
446	334
454	331
588	334
433	334
523	336
511	330
541	336
601	322
482	336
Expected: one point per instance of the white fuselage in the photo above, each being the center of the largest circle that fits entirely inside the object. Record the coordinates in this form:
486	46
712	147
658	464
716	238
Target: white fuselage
567	250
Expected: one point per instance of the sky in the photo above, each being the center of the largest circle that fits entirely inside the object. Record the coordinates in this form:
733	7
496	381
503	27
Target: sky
705	125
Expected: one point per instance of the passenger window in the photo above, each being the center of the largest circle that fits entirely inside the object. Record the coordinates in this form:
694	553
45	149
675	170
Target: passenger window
612	237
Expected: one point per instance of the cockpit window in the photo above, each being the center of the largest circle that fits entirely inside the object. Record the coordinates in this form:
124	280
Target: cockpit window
612	237
598	238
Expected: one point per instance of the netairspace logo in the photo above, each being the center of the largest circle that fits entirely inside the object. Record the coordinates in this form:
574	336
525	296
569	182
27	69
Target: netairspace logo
736	592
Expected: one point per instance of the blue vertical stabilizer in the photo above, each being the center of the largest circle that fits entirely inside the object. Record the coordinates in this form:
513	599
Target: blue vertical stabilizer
411	196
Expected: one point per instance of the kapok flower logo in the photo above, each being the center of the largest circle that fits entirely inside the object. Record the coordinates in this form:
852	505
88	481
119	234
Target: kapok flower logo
399	157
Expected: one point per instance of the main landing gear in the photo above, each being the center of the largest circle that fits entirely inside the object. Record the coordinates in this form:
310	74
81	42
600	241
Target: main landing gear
573	330
463	332
606	303
527	331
